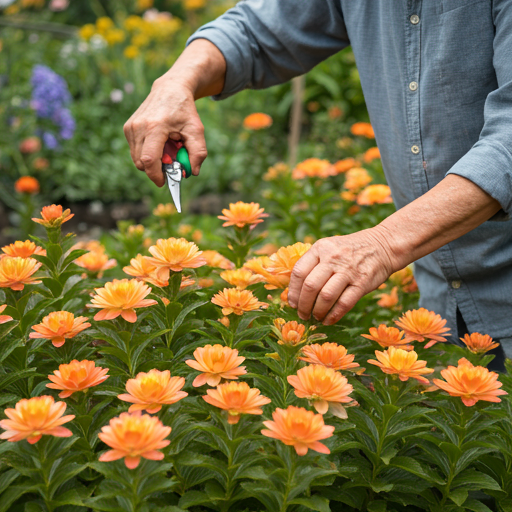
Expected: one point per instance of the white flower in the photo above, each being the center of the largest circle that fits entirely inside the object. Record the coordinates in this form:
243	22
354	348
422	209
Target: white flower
116	96
129	88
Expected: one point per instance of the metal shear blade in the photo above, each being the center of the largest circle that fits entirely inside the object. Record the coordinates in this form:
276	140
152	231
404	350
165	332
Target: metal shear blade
174	175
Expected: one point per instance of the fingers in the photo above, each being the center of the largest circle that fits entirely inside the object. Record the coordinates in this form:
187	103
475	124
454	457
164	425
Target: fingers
300	271
193	138
345	303
151	156
130	137
328	295
311	287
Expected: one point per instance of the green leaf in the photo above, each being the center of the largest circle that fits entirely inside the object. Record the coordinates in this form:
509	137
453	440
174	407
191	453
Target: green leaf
315	502
53	285
54	253
377	506
388	454
13	493
476	506
458	496
475	480
72	256
380	486
193	498
413	466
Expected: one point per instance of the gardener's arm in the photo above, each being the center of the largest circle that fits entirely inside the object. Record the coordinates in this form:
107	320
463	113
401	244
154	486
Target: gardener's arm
340	270
258	43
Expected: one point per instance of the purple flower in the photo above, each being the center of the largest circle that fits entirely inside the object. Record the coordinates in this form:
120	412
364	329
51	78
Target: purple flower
50	98
50	141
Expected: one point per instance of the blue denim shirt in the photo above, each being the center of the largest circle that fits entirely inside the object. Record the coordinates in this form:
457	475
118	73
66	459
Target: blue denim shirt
437	78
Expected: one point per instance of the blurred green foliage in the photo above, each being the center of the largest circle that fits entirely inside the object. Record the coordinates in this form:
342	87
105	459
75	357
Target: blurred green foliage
107	87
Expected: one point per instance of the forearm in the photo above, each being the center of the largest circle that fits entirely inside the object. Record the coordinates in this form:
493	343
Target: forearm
446	212
201	68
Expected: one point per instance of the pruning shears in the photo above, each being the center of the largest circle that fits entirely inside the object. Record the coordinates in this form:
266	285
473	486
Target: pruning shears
175	166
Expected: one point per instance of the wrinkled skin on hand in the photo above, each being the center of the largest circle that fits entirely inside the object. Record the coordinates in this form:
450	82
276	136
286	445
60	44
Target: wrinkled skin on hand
169	111
338	271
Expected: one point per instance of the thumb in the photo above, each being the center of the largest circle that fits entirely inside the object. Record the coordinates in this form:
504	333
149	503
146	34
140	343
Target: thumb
151	156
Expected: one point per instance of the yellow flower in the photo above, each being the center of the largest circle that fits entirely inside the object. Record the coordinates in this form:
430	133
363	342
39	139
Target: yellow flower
114	36
193	5
131	52
139	40
313	168
133	23
283	261
260	266
95	262
103	24
87	31
215	259
276	171
164	210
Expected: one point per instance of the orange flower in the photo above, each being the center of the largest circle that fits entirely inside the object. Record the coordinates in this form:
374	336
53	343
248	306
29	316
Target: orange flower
30	145
257	121
260	266
362	130
283	261
356	179
470	383
266	250
133	436
237	398
53	216
17	272
90	245
121	297
402	277
313	168
236	301
289	333
95	262
26	185
186	281
402	363
205	282
36	417
59	326
276	171
371	154
349	196
325	387
4	318
152	390
330	355
142	268
421	324
353	209
216	362
299	428
40	164
477	343
77	376
241	214
345	165
375	194
165	210
23	249
215	259
388	300
241	278
388	337
174	254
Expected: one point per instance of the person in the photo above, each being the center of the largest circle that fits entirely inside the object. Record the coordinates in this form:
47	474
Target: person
437	79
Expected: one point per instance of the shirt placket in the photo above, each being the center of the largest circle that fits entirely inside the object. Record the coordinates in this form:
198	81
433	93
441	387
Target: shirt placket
460	296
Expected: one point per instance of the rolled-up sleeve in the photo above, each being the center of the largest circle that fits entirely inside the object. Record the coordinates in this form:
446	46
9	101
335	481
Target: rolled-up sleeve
489	162
268	42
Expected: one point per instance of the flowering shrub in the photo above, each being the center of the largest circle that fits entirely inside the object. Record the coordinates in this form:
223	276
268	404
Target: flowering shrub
182	383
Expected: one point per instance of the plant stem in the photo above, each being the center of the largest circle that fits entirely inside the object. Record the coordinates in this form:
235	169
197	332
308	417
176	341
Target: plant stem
290	463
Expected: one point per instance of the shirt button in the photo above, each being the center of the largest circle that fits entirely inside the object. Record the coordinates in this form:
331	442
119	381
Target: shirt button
415	149
456	284
413	86
415	19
